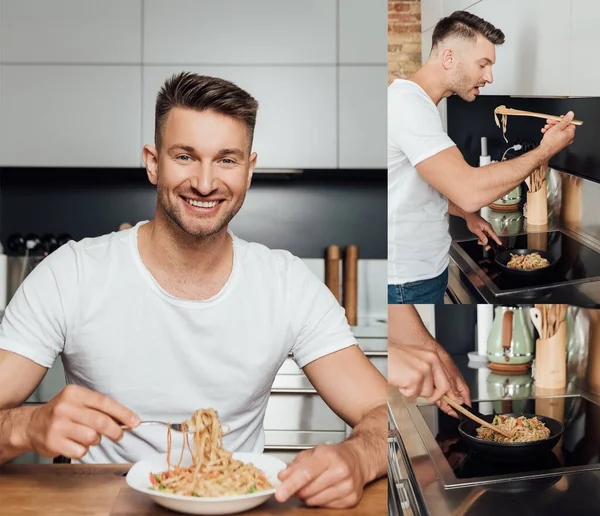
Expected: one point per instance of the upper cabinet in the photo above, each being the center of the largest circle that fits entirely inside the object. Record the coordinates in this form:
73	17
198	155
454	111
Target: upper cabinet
363	112
239	32
296	122
431	12
583	52
528	63
71	31
363	31
72	116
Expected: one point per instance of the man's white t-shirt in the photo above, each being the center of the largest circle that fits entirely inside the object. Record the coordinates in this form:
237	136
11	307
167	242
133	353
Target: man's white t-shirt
119	333
418	237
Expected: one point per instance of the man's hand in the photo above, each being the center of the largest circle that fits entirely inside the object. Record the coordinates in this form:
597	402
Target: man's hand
558	135
426	371
73	421
327	476
481	228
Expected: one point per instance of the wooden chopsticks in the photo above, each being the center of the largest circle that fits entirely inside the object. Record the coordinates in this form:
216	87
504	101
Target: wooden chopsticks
503	110
458	406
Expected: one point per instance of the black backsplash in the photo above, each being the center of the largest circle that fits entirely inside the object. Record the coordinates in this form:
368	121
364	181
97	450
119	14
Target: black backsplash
469	121
301	213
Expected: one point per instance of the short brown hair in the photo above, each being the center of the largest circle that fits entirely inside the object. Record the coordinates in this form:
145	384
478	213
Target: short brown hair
465	25
203	93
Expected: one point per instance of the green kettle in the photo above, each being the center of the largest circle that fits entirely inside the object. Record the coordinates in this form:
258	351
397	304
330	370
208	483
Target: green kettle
510	340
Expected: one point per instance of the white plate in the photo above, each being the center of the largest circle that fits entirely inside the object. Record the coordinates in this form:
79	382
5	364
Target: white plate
476	357
138	478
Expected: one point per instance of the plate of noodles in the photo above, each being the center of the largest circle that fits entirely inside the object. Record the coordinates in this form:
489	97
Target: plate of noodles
532	436
204	478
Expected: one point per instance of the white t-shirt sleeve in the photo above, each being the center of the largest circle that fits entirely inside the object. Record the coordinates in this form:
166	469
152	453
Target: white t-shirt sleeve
414	126
35	321
319	322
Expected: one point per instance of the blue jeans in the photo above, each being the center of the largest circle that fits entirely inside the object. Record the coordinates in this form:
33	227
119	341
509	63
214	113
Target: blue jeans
424	292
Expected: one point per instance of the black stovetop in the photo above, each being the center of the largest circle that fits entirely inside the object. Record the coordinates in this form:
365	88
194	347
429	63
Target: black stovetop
575	261
580	445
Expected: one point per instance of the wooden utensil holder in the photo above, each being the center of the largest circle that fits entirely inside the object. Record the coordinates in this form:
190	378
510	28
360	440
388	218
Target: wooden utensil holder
537	206
551	360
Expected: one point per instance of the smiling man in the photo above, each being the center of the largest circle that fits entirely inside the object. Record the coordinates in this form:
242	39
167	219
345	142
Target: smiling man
428	176
178	314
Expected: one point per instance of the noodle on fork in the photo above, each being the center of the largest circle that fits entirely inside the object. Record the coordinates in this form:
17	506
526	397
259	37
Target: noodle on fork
213	472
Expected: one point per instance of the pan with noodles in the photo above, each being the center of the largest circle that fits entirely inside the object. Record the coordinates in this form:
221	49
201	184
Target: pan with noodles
533	436
521	429
527	262
531	264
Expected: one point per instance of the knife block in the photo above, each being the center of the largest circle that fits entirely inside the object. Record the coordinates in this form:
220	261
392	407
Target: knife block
551	360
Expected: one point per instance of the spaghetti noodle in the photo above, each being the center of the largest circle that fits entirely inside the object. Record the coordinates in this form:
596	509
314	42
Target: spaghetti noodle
213	472
527	262
504	122
521	429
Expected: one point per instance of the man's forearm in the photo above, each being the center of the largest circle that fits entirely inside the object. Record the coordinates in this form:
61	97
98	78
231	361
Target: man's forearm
453	209
493	181
405	327
369	440
13	424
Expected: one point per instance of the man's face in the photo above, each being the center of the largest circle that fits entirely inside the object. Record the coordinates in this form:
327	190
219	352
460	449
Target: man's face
472	67
203	171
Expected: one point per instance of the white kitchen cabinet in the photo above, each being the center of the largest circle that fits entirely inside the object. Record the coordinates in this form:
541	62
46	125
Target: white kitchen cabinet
71	31
79	116
585	42
363	31
296	123
431	12
238	32
537	41
363	115
449	6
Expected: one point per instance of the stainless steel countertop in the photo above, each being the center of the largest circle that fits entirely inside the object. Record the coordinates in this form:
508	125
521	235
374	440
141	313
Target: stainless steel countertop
466	286
576	494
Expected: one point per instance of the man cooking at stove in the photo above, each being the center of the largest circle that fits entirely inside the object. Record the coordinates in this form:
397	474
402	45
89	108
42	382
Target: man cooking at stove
428	177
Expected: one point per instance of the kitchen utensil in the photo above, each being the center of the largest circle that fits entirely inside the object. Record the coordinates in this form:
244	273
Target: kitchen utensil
510	340
174	426
593	367
536	319
350	284
503	110
474	415
551	359
503	255
509	452
332	270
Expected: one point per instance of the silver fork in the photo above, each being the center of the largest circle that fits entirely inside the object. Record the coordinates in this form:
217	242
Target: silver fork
174	426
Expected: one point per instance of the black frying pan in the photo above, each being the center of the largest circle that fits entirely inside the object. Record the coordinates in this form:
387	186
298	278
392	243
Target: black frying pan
509	452
502	257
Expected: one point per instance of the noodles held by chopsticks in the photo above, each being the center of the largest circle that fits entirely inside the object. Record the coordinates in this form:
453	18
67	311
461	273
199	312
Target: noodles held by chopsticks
521	429
214	472
527	262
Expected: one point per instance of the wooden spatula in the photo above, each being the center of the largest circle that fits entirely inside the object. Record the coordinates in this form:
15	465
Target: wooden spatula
465	412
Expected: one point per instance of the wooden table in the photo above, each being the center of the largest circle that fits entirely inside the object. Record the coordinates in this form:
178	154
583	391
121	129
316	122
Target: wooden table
83	490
